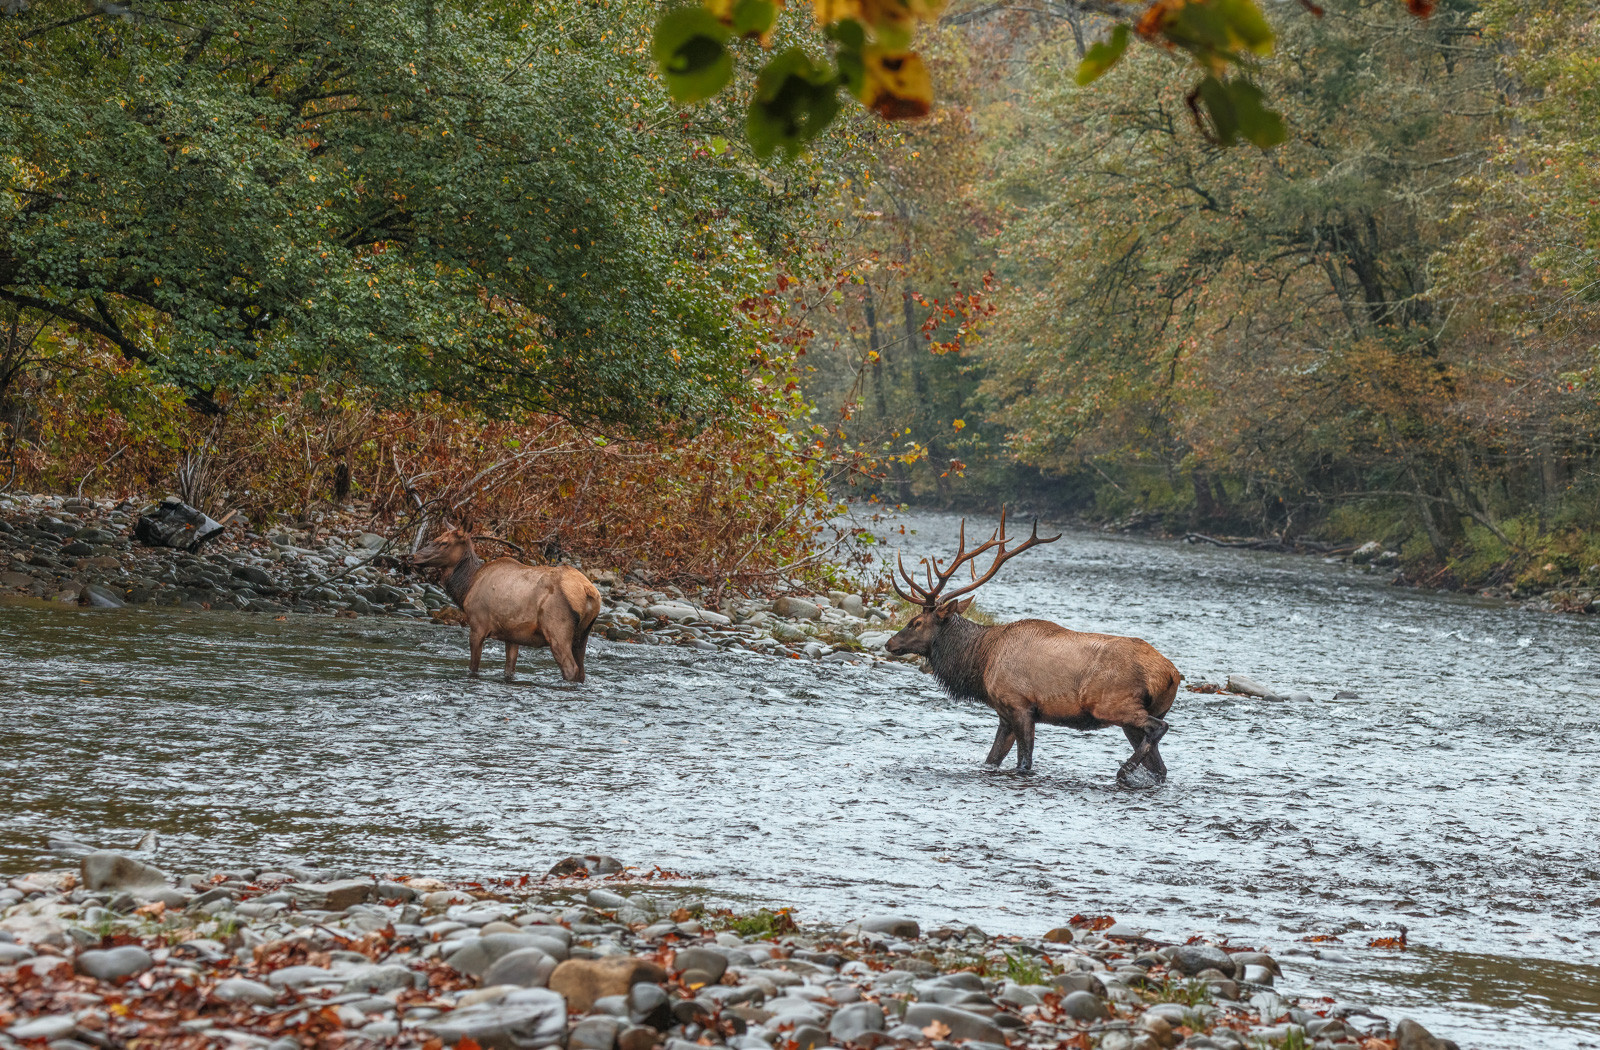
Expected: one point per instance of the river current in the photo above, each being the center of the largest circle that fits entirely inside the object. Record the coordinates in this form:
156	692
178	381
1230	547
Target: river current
1455	796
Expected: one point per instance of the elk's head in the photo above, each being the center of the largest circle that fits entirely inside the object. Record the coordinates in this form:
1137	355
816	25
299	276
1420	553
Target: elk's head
443	551
939	609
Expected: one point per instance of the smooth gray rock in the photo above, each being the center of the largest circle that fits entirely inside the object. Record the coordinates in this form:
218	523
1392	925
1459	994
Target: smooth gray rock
851	1022
606	900
115	963
710	963
1079	981
649	1005
525	1019
50	1026
525	968
477	955
1084	1006
331	896
808	1037
1190	959
378	980
962	1025
244	990
300	976
797	609
893	925
1409	1035
1244	684
594	1033
14	953
105	870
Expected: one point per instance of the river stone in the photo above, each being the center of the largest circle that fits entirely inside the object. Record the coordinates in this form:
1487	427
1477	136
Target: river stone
893	925
13	953
105	870
479	954
244	990
50	1026
673	611
594	1033
527	1018
378	980
115	963
708	962
1190	959
1244	684
101	597
301	976
648	1005
1261	959
606	900
962	1025
852	1022
583	981
525	968
331	896
1409	1035
797	609
1079	981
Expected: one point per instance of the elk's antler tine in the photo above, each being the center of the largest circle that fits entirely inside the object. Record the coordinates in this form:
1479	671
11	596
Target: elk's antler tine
896	585
922	598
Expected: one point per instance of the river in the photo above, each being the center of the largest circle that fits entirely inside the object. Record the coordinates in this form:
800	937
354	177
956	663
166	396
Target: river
1456	796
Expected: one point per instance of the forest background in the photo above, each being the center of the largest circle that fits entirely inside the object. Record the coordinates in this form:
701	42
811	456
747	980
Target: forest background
292	256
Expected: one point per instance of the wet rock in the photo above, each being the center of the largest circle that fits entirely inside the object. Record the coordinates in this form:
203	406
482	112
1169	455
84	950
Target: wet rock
594	1033
379	980
331	896
637	1037
105	870
301	977
1079	981
648	1005
797	609
962	1025
1191	959
525	968
100	597
244	990
893	925
50	1026
606	900
1084	1006
708	962
527	1018
592	864
1409	1035
583	981
852	1022
1247	686
115	963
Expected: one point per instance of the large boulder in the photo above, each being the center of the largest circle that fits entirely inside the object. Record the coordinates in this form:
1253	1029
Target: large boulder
173	523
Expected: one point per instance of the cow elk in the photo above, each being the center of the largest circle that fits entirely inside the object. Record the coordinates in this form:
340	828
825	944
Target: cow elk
1034	671
518	604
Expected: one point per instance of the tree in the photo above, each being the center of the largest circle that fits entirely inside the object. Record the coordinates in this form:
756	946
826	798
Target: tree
485	201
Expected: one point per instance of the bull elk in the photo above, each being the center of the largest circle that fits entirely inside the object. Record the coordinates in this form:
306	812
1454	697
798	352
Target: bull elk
1034	671
518	604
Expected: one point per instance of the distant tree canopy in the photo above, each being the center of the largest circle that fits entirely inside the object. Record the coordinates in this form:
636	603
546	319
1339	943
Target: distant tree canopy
486	201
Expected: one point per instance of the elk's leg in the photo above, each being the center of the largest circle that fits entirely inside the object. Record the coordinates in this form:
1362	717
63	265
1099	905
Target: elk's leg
1003	739
559	632
511	661
1152	761
476	641
1024	730
1151	733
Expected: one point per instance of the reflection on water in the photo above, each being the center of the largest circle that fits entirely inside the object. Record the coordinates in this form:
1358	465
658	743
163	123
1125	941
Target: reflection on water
1453	797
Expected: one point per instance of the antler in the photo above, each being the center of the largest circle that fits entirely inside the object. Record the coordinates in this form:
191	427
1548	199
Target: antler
931	595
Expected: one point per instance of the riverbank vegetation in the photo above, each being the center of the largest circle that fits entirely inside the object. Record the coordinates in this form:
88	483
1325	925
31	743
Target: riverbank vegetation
472	258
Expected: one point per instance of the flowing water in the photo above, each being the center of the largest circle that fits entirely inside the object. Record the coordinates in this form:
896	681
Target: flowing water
1456	796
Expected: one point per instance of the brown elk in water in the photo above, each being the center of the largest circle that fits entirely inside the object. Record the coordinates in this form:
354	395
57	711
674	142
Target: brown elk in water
1035	671
518	604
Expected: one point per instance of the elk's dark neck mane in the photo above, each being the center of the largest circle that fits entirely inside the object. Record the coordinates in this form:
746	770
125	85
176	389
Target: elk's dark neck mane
458	581
956	658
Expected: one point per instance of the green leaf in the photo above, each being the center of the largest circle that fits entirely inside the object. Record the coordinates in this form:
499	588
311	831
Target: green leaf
795	99
1102	55
690	45
1257	123
849	33
1247	25
754	17
1219	104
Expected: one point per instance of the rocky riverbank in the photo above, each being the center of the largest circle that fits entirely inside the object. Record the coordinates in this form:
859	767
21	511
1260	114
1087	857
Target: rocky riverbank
114	952
82	552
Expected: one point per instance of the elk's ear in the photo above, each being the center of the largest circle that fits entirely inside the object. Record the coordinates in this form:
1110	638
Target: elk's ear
962	604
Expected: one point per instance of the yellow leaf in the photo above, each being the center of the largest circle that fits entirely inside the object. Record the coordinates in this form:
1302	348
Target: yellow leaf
895	84
892	21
